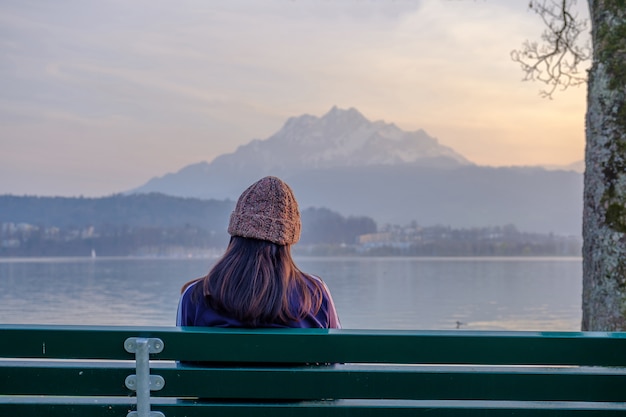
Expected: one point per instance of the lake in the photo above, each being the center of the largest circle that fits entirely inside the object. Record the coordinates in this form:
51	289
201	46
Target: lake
370	293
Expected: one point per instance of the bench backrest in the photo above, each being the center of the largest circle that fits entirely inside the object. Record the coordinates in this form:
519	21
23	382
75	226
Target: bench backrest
88	370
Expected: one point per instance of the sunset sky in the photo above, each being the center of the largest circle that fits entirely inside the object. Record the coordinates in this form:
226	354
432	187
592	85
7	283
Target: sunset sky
99	97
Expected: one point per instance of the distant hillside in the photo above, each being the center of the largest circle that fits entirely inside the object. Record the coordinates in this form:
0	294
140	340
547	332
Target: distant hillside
151	224
139	210
158	225
578	166
346	163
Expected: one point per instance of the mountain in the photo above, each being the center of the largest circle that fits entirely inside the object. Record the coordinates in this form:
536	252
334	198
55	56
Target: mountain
578	166
343	138
340	138
346	163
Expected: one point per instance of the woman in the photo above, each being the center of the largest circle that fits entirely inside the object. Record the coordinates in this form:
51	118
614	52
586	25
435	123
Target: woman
256	282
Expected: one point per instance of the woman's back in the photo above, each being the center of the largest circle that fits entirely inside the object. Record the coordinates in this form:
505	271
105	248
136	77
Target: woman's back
256	282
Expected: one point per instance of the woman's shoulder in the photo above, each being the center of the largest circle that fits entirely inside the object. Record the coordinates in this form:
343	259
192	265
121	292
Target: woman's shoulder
189	285
316	286
318	282
190	290
327	314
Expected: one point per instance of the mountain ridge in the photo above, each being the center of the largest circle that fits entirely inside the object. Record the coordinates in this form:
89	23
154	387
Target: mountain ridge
338	138
344	162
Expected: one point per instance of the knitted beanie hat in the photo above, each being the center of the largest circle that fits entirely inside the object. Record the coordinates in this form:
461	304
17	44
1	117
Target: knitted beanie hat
267	210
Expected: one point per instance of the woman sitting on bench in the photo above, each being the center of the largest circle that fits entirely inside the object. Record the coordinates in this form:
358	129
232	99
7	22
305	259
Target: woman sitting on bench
256	283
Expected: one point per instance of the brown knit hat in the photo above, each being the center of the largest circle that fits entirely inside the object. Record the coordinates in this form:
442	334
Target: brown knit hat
267	210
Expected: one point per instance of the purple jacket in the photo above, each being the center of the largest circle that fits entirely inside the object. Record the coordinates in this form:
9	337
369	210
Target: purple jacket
198	313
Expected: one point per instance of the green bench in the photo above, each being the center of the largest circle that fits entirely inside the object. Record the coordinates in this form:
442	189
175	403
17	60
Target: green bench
92	371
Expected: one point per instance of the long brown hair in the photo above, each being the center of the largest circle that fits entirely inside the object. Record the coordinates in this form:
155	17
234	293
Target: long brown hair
258	283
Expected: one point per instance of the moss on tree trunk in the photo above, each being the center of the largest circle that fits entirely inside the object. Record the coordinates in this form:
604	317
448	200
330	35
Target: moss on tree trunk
604	218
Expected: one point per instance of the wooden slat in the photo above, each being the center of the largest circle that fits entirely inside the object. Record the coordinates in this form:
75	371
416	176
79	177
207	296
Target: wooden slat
318	382
317	345
64	379
362	408
423	383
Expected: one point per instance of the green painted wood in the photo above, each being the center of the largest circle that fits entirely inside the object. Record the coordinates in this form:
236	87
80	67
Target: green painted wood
378	377
317	382
344	408
318	345
64	379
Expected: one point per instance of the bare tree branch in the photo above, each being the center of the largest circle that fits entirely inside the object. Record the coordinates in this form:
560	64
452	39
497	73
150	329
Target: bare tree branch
556	60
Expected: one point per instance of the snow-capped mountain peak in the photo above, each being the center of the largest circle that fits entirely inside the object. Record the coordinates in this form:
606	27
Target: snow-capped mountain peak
344	138
338	139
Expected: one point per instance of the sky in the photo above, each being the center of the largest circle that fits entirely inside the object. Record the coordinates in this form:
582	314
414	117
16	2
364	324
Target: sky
98	97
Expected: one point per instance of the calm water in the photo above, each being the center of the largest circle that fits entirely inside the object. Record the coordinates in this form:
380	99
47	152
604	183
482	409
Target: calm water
370	293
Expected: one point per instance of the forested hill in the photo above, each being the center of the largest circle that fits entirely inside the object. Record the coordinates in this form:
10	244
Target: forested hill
148	224
148	210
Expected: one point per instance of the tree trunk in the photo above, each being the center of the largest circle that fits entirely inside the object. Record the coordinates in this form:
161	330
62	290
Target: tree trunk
604	215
